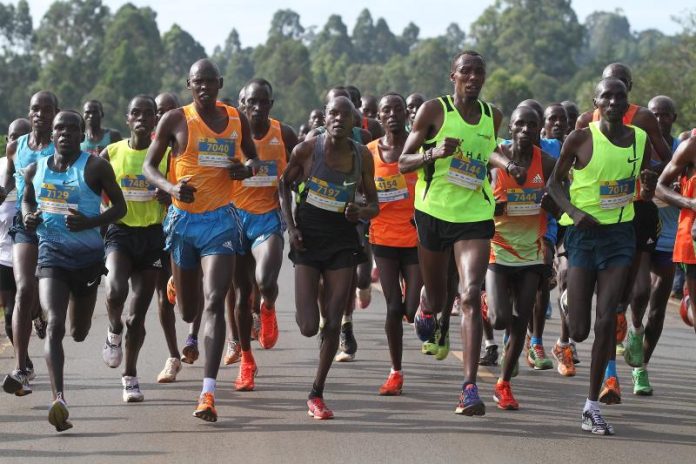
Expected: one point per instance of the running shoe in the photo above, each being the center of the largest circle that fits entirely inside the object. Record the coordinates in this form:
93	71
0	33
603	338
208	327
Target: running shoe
318	410
40	325
536	358
112	352
502	395
171	368
611	391
633	354
234	352
430	347
470	403
131	390
189	354
425	325
564	356
393	385
348	345
58	415
592	421
363	297
17	383
457	306
527	346
268	335
641	384
443	346
206	408
255	326
490	356
574	349
245	379
171	291
31	373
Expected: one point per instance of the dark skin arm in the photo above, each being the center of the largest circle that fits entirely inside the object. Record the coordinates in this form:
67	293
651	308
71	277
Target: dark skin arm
548	163
355	212
683	158
648	122
289	139
296	171
9	180
30	216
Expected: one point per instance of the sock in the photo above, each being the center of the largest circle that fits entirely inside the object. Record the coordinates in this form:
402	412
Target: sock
639	331
316	392
562	343
322	322
193	337
536	341
346	318
491	342
247	357
571	341
591	405
500	380
506	337
611	369
114	339
395	372
208	385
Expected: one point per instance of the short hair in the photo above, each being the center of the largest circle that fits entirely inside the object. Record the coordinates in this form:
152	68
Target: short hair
467	52
79	116
143	96
394	94
260	81
96	102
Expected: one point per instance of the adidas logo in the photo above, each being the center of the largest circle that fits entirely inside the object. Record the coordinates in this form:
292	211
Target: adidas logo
157	264
650	241
537	179
228	244
274	141
234	135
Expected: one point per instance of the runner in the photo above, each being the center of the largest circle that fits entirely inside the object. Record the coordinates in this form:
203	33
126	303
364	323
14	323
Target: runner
96	136
26	150
324	243
369	124
573	113
316	118
393	235
166	101
134	245
600	238
454	205
62	195
556	122
201	225
369	105
413	102
261	255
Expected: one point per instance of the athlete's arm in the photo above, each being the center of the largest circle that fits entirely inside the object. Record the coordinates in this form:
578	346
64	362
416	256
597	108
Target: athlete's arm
295	172
499	203
354	212
682	158
648	122
428	120
584	120
498	160
105	154
9	181
240	171
548	163
31	216
289	139
648	177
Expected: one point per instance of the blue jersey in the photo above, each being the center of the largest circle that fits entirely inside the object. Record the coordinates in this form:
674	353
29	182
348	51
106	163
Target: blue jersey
552	147
56	192
25	156
669	217
95	148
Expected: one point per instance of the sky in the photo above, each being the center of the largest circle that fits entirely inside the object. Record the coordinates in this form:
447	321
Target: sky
210	21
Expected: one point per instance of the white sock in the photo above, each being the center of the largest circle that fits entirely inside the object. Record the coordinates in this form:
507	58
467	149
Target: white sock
639	331
571	341
591	405
346	318
491	342
208	385
322	322
114	339
395	372
562	343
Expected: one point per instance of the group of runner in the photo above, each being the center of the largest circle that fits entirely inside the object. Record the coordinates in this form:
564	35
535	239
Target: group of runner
194	203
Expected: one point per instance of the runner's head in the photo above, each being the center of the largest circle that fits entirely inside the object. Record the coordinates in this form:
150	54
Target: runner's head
621	72
340	113
303	130
611	99
338	91
354	95
93	113
665	111
316	118
468	74
165	102
369	106
18	128
43	107
535	105
555	121
413	102
142	114
240	99
205	82
392	113
258	100
68	132
524	126
573	113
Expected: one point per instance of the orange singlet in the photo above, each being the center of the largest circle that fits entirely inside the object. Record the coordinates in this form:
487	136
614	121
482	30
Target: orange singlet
628	117
683	243
393	226
206	159
259	194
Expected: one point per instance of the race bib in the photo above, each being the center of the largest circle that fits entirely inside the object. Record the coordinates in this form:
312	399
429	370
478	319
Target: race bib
57	198
391	188
467	172
136	188
616	193
328	196
266	176
216	153
524	201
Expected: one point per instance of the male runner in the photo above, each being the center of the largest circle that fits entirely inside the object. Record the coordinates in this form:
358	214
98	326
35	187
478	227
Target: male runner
556	122
316	118
606	160
26	150
369	124
413	102
573	113
454	204
369	106
201	226
96	136
62	196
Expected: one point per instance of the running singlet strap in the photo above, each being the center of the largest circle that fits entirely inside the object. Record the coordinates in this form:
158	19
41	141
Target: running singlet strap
628	117
206	160
143	208
24	156
95	148
606	187
456	188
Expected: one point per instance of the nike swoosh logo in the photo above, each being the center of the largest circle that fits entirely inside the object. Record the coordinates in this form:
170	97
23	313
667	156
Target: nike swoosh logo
91	284
348	184
67	182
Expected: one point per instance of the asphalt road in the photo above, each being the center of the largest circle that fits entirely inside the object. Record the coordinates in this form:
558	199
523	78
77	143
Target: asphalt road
271	424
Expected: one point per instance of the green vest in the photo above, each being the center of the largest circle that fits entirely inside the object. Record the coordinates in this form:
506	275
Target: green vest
143	208
456	188
606	187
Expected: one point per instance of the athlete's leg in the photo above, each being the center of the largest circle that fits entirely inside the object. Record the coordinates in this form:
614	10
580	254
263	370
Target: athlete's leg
120	268
188	291
55	295
662	279
307	296
524	289
24	256
243	288
640	294
143	283
413	279
269	259
166	313
432	263
217	273
390	279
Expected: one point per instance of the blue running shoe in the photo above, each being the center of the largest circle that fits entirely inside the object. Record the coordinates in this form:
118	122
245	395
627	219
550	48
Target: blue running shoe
425	324
470	403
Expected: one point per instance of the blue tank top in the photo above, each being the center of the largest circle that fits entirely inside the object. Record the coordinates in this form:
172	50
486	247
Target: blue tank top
669	217
23	158
55	193
95	148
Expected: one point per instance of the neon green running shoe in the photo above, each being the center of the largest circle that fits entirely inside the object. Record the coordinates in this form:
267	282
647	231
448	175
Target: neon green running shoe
443	346
430	347
633	354
641	384
536	358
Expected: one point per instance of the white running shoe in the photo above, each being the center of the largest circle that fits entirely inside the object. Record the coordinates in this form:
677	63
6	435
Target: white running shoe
171	367
112	353
131	390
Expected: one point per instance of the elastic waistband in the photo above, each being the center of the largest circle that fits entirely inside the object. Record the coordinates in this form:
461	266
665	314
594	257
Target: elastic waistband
207	216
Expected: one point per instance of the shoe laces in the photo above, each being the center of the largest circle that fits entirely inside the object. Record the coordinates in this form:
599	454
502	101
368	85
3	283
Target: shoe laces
470	393
207	399
169	365
567	354
504	391
597	418
247	370
539	351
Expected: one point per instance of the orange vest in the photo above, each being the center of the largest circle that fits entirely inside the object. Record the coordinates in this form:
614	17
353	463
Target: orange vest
206	160
396	192
628	117
259	194
684	244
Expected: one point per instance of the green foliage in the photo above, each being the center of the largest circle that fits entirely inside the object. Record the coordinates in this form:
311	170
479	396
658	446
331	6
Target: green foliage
180	51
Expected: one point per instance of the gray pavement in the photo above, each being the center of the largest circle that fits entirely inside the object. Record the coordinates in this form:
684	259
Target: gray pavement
270	425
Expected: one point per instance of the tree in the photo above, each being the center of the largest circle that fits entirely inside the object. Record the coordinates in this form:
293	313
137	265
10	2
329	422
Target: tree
331	52
286	23
363	36
409	37
455	39
180	51
506	90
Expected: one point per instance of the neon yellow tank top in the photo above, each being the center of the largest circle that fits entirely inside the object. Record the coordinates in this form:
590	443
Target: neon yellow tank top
606	187
456	188
143	208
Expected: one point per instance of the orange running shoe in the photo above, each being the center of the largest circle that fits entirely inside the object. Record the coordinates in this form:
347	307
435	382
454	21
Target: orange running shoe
206	408
245	379
171	291
503	396
484	306
268	335
318	410
611	391
621	327
564	356
393	385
